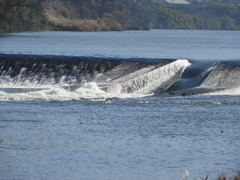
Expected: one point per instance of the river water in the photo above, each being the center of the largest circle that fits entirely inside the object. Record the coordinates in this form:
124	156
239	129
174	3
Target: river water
57	122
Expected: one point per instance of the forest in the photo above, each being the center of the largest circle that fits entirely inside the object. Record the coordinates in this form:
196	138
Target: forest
117	15
22	15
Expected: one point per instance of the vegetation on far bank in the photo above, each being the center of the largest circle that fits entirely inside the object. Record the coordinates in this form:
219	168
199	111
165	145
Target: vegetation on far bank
108	15
22	15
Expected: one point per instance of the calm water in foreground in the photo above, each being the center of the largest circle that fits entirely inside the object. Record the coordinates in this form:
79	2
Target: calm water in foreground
91	135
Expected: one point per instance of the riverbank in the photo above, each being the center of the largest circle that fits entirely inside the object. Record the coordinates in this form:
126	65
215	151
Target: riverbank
74	16
71	15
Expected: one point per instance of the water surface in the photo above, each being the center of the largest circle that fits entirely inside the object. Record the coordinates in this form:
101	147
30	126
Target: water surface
55	125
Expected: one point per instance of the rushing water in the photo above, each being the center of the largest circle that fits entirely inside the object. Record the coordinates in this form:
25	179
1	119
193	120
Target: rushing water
130	105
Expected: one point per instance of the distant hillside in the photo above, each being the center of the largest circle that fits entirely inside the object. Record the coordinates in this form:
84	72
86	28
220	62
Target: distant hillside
70	16
117	15
104	15
95	15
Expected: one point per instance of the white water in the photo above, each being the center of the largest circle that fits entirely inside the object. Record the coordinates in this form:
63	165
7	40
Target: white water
223	77
43	87
163	77
149	79
139	83
88	91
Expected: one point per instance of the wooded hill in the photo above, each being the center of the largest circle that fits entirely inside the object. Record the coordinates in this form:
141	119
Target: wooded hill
22	15
106	15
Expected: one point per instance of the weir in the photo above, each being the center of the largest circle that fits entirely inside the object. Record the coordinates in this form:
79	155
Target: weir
223	79
148	79
115	75
225	75
111	75
19	70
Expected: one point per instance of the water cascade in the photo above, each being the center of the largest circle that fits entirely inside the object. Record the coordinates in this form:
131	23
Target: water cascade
25	73
148	79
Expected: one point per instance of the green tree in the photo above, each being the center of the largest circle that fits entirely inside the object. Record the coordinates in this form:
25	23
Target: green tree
22	15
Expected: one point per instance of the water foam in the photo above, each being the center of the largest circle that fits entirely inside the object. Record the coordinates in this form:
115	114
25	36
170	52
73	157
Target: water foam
89	91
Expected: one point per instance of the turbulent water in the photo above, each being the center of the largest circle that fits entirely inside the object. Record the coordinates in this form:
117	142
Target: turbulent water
119	105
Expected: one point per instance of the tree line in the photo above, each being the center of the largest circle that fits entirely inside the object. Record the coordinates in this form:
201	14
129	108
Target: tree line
142	14
22	15
28	15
